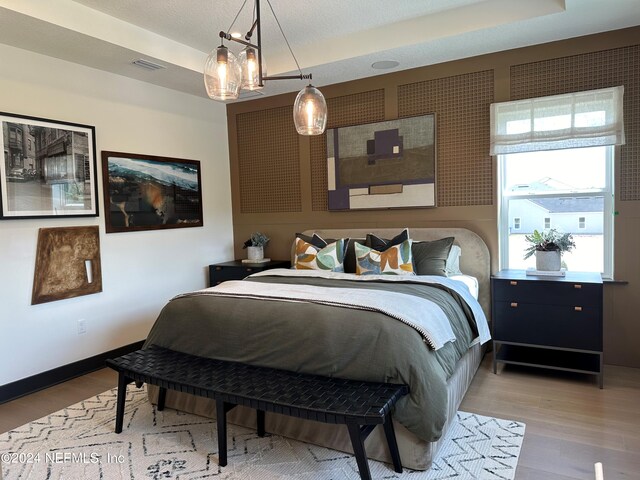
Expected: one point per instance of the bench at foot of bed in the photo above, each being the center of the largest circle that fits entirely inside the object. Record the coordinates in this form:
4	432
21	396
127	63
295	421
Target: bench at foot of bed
359	405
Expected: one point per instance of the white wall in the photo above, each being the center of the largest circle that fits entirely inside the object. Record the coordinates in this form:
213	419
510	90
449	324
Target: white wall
141	270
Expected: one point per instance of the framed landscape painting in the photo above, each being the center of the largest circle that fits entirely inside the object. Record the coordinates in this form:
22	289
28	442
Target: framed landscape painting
145	192
389	164
49	168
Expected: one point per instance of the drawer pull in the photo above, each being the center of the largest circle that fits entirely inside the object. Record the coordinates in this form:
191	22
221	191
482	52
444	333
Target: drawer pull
578	286
577	309
514	304
218	268
249	269
513	282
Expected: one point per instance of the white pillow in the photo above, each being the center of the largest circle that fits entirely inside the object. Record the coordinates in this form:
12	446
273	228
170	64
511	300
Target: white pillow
452	266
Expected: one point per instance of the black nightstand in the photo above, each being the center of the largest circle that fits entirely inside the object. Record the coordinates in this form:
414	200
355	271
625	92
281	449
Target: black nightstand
549	322
236	270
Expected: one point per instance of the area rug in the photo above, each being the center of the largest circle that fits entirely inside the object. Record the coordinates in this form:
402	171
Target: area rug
78	442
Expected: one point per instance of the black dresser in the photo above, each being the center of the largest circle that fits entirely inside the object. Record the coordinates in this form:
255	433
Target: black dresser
549	322
236	270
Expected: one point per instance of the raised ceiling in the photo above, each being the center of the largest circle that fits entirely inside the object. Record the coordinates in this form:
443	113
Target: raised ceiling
336	40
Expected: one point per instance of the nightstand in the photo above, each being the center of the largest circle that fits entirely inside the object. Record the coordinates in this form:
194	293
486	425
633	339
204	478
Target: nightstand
236	270
548	322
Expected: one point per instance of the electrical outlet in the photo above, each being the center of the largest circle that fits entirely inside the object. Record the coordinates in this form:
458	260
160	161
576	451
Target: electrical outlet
82	326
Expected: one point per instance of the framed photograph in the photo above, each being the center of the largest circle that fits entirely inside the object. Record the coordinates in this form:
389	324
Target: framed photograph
49	168
389	164
144	192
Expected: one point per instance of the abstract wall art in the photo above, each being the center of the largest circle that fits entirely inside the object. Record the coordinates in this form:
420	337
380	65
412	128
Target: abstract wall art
389	164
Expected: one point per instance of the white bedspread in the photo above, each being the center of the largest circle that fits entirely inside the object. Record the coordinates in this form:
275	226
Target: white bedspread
484	335
421	314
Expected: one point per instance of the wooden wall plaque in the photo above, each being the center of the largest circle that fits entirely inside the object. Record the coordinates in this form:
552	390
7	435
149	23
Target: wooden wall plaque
67	264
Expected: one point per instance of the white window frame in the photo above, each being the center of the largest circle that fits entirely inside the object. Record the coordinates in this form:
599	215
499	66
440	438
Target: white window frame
504	196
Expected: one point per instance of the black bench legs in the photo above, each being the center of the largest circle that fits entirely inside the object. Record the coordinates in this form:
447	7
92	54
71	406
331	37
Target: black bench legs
123	381
359	434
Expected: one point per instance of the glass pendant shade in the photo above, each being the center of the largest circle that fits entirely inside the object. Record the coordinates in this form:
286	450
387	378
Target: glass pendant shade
310	111
222	74
248	59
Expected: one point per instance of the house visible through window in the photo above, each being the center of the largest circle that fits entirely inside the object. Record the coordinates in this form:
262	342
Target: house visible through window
582	222
516	223
547	222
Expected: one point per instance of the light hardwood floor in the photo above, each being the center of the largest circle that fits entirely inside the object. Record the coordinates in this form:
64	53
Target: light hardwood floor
571	423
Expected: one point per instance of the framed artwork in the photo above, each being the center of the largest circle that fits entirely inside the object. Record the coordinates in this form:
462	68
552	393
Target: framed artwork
145	192
67	264
49	168
389	164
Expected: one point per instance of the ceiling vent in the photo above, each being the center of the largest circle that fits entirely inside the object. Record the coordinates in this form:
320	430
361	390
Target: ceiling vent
146	64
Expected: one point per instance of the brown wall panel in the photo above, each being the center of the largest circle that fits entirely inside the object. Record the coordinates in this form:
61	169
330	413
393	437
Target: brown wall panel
461	104
268	161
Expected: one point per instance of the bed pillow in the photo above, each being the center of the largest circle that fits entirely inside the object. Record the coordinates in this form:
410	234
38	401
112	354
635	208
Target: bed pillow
317	241
395	260
382	244
430	258
452	266
311	257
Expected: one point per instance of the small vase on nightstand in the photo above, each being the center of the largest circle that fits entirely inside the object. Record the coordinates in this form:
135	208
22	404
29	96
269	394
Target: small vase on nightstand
255	253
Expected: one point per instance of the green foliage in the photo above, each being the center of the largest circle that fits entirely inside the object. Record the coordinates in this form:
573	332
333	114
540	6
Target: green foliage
259	239
548	241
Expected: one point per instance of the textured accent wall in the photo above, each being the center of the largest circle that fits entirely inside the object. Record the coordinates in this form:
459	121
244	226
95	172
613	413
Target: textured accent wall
606	68
365	107
268	161
461	104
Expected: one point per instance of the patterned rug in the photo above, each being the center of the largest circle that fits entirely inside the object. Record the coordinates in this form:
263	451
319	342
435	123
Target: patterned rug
78	443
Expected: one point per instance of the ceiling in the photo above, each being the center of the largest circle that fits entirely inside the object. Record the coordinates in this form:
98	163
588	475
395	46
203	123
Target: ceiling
335	40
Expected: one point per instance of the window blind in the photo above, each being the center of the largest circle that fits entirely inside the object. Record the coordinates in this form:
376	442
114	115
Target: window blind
572	120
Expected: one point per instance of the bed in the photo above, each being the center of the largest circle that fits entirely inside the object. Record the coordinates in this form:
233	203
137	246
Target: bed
334	342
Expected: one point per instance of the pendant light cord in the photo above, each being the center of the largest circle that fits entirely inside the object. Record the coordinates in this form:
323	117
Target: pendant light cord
284	36
236	17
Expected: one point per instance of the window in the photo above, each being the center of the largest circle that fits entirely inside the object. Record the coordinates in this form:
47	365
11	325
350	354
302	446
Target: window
555	166
558	189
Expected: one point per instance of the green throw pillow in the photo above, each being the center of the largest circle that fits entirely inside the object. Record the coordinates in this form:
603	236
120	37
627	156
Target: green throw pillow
430	258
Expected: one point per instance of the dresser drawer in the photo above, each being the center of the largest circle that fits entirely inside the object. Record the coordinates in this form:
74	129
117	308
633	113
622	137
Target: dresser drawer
575	326
549	293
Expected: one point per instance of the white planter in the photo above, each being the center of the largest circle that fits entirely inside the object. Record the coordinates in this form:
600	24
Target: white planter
548	261
255	253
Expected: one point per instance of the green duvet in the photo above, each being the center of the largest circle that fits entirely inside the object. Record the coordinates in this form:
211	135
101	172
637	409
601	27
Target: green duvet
327	340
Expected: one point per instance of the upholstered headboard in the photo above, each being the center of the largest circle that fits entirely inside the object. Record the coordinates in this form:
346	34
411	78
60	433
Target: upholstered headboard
474	261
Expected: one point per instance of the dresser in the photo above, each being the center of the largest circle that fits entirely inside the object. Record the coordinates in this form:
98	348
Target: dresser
236	270
548	322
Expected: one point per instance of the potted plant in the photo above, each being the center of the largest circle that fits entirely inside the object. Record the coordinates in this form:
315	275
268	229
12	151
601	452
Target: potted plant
548	247
255	246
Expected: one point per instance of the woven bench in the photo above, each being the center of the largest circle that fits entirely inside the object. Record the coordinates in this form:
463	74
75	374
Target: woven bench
359	405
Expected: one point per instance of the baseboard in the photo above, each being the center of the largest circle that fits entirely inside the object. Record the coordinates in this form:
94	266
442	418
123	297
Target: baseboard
28	385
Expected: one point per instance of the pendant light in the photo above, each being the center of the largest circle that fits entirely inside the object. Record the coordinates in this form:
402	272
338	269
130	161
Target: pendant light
310	111
248	60
222	74
225	75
